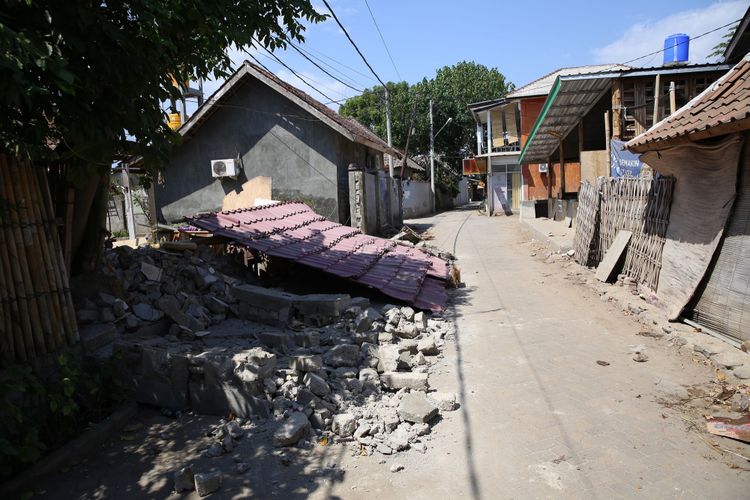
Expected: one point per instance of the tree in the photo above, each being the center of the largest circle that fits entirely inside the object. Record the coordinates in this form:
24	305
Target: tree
83	82
719	48
452	89
89	77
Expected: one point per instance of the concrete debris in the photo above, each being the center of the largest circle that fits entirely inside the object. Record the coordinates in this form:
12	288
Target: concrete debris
397	467
445	401
291	430
205	484
303	368
416	408
184	480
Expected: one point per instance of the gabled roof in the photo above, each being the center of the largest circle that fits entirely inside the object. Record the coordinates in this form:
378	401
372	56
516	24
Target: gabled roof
542	86
722	108
348	127
739	45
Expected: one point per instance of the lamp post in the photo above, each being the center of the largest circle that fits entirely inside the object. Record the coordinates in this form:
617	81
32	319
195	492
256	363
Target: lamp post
432	155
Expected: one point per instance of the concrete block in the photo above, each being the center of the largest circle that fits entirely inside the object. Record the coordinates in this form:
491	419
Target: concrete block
404	380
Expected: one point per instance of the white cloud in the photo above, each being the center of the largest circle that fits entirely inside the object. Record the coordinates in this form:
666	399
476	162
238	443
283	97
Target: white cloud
648	36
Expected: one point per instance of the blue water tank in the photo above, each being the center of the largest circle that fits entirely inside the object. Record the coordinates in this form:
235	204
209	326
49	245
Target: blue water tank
676	49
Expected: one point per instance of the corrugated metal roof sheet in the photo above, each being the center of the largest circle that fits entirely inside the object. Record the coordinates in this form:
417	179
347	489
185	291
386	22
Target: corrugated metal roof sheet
542	86
569	100
291	230
722	108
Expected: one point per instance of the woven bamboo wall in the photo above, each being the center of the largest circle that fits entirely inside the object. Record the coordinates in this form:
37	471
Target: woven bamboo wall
36	309
637	204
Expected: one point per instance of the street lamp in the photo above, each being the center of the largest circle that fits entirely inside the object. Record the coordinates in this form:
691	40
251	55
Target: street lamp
432	155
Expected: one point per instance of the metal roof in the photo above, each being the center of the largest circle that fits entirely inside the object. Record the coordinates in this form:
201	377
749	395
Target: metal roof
568	101
572	96
291	230
722	108
542	86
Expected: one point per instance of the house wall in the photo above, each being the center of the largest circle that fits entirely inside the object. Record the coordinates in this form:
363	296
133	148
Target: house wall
272	137
417	199
534	183
594	164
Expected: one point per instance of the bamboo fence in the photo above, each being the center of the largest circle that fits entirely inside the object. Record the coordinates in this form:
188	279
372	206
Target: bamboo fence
586	240
36	308
637	204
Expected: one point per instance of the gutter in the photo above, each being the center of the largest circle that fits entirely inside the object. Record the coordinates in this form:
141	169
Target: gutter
547	105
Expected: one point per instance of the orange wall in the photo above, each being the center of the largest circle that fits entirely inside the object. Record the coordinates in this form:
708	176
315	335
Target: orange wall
535	184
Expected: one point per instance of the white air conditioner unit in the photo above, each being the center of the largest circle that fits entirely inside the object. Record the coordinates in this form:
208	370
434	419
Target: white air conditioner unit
224	168
543	168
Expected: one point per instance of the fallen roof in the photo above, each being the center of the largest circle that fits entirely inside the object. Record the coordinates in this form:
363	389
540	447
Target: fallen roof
542	86
573	96
291	230
348	127
722	108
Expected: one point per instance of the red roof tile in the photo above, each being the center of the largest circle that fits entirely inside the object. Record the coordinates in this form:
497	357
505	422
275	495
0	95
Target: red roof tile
291	230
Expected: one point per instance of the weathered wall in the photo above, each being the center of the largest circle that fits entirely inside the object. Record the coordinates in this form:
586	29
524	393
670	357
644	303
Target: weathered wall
594	164
272	137
462	198
417	199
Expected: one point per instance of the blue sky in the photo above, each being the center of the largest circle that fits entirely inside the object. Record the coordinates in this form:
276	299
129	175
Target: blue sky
524	40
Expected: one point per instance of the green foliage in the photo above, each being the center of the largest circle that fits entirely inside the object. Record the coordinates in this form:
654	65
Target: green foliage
719	48
452	89
37	415
89	77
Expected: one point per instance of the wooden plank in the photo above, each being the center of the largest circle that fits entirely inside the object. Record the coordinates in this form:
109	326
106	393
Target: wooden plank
609	263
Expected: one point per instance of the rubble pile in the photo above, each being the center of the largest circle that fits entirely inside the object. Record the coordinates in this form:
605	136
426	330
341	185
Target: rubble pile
363	379
183	292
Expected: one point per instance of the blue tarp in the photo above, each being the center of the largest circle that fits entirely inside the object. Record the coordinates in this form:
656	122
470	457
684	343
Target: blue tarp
622	161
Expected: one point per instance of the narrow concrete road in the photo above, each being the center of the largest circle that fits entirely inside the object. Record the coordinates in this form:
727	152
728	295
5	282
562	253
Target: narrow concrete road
539	417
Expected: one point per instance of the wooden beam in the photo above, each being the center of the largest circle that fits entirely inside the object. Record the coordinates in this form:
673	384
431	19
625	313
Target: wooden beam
562	171
672	98
607	136
580	137
657	96
549	179
617	109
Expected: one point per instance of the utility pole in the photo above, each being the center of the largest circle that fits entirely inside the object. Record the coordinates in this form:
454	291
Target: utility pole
388	129
432	160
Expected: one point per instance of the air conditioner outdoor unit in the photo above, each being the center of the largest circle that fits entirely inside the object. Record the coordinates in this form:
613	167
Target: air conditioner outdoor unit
543	168
224	168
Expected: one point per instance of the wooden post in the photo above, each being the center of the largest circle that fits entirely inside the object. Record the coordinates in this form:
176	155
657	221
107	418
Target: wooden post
657	97
672	98
489	135
561	192
129	215
549	179
616	110
607	138
580	137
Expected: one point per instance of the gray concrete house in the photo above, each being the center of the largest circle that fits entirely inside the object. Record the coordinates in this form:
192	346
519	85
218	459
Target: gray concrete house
277	142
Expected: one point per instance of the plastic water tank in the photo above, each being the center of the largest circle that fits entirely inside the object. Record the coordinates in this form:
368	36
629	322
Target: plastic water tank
676	49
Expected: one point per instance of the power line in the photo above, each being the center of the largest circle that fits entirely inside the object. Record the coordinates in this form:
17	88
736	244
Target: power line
321	68
299	76
352	41
382	39
333	68
369	77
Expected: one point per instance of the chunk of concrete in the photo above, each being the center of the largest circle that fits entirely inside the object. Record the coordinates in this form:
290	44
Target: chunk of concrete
445	401
146	312
369	376
731	359
171	307
404	380
365	319
415	408
291	430
406	330
344	424
151	272
420	321
388	358
316	384
343	355
308	363
408	313
254	364
184	479
205	484
428	347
